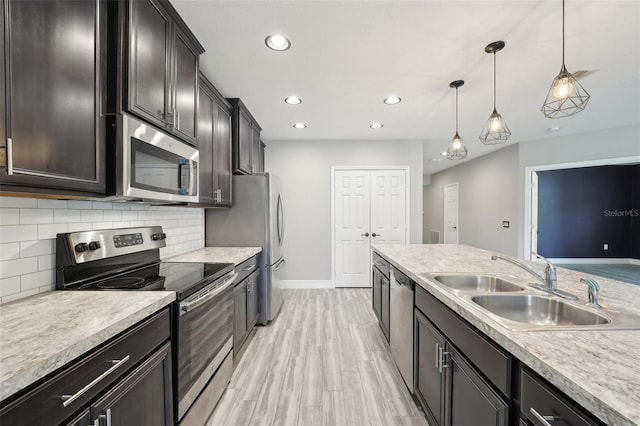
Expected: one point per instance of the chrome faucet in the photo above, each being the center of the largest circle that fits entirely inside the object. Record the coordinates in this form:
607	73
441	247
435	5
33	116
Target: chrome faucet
594	291
549	281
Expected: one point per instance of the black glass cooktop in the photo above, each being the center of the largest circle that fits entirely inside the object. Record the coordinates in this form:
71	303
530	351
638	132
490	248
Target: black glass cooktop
185	278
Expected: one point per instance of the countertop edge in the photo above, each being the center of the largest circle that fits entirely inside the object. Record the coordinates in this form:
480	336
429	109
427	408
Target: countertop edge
235	255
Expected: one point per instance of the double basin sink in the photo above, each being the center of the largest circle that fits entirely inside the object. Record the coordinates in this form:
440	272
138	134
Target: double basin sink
517	309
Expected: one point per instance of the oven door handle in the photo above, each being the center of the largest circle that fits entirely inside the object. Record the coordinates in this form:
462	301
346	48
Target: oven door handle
185	307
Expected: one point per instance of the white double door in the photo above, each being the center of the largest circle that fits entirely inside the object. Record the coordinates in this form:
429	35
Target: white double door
370	207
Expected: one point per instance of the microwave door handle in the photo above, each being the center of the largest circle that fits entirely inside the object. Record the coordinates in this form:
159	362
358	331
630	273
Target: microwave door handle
179	176
194	176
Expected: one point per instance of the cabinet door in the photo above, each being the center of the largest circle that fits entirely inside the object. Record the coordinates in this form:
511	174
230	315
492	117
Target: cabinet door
471	400
377	293
384	305
149	62
239	315
54	88
185	88
252	300
205	146
255	151
244	143
142	398
430	381
222	154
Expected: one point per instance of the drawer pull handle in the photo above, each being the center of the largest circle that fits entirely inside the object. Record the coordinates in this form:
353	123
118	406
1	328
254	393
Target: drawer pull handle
545	420
249	268
69	399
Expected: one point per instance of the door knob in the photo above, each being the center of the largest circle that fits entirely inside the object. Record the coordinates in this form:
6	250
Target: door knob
366	234
376	235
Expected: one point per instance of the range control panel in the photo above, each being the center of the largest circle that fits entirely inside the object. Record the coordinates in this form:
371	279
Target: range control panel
94	245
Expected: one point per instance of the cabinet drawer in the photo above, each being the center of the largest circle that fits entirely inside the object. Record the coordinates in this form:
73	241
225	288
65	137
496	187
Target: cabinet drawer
491	360
547	401
380	263
43	404
246	268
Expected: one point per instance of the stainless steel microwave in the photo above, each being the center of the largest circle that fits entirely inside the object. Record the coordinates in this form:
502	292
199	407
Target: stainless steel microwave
149	165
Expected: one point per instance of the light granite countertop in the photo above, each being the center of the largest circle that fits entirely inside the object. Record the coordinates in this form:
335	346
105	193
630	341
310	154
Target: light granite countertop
42	333
235	255
600	370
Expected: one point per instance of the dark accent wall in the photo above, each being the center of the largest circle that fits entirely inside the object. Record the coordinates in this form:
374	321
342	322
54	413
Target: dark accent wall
635	206
579	210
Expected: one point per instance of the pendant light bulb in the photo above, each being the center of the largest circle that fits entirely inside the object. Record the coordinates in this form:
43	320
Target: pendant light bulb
566	96
457	150
496	130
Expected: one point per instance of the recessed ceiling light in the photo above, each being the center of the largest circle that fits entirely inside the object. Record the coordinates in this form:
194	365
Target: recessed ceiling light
277	42
392	100
293	100
437	159
376	126
299	126
553	129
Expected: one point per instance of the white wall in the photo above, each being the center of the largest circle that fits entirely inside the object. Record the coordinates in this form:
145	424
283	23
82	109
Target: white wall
488	194
504	170
28	229
305	170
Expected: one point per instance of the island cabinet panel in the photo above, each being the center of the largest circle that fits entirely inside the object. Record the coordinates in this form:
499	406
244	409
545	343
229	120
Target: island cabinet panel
461	378
538	399
381	292
53	83
131	370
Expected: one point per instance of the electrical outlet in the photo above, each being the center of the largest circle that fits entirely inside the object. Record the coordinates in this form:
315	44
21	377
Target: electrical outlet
606	247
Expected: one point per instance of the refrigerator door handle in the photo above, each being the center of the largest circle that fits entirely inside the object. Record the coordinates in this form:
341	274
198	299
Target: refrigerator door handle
280	219
279	265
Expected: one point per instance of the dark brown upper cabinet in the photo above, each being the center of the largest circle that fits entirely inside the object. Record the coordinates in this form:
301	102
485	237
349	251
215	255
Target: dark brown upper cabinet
214	144
245	137
161	67
53	74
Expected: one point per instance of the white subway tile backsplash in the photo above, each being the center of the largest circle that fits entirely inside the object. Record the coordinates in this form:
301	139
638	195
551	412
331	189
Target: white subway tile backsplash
16	267
36	216
46	261
45	203
27	251
37	279
9	286
51	231
66	216
12	233
9	251
91	216
80	205
9	216
37	247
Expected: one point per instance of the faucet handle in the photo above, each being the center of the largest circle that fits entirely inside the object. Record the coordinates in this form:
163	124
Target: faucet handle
593	292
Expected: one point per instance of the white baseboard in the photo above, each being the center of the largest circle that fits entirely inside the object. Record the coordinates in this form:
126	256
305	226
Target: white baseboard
307	284
612	261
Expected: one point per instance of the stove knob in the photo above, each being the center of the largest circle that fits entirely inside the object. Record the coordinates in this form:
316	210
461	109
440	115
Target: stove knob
94	245
155	237
81	247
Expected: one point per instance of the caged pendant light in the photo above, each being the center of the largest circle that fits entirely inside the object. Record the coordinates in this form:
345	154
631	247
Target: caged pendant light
457	150
496	130
566	96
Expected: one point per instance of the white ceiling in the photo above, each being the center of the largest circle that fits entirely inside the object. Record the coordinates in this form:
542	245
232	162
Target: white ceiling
347	56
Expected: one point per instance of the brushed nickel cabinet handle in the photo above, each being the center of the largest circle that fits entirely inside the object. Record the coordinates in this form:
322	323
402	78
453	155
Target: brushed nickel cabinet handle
69	399
545	420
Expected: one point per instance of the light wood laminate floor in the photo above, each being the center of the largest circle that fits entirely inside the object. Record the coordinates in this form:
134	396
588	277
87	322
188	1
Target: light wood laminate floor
323	361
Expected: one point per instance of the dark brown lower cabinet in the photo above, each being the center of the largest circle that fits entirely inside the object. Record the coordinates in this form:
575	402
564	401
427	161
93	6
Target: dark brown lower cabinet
449	387
384	305
246	301
377	293
253	294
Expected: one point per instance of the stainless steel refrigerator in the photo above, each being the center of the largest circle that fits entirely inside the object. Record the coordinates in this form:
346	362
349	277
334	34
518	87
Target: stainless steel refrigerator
256	219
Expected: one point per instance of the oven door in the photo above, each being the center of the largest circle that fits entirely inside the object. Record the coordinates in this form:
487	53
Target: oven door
205	338
156	166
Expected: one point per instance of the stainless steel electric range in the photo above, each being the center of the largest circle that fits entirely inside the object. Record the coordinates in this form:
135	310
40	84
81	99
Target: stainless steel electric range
128	259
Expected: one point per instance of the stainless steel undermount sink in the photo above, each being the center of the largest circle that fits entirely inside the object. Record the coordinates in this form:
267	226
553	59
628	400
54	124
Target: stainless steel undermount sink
538	310
483	283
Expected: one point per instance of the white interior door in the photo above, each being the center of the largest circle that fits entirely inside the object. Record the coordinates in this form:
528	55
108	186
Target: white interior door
451	213
352	223
370	206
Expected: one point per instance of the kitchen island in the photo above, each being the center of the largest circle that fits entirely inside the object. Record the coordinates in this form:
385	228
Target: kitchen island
598	369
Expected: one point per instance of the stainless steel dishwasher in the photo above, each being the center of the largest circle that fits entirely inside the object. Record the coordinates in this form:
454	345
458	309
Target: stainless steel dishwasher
401	324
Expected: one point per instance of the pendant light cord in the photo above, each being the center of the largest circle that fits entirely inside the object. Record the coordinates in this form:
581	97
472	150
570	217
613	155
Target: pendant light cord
456	110
494	80
562	33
